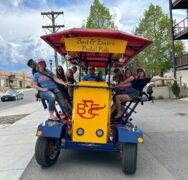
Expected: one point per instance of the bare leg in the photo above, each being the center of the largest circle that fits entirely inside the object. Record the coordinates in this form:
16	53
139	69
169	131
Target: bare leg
113	108
119	99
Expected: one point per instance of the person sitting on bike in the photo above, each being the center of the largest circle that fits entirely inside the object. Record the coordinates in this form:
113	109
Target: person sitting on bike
120	89
45	82
64	90
70	79
92	76
34	66
137	86
118	76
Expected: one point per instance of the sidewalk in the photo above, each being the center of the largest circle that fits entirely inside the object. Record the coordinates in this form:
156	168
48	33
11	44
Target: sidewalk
17	142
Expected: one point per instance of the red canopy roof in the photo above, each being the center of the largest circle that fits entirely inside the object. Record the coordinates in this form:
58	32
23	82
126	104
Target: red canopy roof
134	46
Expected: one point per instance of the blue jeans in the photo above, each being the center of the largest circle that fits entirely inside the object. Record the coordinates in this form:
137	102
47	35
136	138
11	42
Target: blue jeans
51	97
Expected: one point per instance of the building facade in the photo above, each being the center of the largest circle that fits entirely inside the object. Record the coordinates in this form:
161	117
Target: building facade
8	79
180	31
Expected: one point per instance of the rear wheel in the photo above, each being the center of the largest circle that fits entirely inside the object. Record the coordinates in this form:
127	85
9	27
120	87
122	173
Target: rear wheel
129	157
47	151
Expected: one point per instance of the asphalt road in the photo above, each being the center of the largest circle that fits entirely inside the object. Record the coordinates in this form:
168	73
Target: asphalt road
163	155
28	98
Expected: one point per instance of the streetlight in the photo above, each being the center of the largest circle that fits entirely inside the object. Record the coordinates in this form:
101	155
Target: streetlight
50	64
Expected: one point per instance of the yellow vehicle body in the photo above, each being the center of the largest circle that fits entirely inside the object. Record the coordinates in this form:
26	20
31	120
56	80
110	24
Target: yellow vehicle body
91	112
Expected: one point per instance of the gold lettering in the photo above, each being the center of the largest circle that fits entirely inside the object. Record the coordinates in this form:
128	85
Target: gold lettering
82	42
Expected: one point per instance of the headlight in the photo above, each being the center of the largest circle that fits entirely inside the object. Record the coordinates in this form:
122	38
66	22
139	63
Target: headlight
79	131
99	133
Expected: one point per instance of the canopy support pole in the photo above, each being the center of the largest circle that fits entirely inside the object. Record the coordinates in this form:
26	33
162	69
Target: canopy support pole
109	69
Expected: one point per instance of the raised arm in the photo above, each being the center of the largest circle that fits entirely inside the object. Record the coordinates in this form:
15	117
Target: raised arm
158	78
57	80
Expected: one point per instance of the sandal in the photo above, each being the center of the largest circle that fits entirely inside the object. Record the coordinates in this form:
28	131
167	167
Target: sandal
54	119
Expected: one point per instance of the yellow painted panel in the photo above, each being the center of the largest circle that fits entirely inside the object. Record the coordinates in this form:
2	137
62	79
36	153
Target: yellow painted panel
94	44
92	110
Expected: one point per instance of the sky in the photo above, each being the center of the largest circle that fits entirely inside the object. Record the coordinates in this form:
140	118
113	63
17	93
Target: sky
21	24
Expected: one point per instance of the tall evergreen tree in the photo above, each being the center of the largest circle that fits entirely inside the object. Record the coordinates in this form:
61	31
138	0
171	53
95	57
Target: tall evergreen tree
156	26
99	17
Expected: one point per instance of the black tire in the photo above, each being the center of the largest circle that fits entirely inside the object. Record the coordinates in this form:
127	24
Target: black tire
129	158
46	151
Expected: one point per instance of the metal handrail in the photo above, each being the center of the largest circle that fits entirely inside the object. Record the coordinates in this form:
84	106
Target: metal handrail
181	26
181	61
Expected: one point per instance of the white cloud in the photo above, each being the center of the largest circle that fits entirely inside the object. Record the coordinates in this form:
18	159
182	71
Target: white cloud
15	3
22	27
116	16
19	53
11	3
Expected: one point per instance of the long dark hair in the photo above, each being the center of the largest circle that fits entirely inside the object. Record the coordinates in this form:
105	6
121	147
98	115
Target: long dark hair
142	70
131	74
62	74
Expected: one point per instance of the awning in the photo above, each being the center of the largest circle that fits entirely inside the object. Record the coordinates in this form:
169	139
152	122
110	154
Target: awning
97	47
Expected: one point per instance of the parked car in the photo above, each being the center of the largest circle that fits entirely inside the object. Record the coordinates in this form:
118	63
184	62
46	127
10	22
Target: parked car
12	95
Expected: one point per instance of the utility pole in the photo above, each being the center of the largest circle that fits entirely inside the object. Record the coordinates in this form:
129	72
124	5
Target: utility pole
172	36
53	27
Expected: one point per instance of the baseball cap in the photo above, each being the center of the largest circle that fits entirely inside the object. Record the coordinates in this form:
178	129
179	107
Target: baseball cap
41	61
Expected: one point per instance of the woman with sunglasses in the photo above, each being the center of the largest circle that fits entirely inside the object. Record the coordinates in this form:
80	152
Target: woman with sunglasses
60	73
137	86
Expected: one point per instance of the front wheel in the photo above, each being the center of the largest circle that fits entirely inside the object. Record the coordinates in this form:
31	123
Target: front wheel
129	157
47	151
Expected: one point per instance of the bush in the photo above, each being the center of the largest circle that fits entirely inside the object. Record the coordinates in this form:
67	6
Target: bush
175	89
160	97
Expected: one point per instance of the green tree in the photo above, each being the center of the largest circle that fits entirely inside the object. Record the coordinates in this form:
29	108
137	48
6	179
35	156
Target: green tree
99	17
156	26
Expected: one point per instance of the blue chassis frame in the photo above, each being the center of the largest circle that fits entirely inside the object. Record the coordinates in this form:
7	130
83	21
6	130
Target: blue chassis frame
123	131
120	134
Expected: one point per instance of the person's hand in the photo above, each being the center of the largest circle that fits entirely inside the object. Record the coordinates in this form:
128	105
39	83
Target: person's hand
119	86
67	84
44	89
